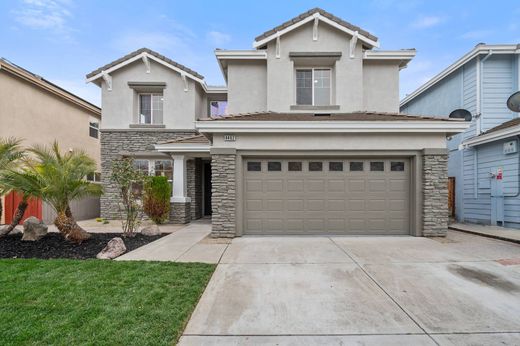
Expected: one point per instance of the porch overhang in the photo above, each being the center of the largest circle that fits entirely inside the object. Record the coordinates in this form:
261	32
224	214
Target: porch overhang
491	137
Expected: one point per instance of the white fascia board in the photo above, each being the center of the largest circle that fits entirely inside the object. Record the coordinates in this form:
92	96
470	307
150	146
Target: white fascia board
491	137
216	90
480	49
152	57
240	54
166	148
389	54
331	126
369	42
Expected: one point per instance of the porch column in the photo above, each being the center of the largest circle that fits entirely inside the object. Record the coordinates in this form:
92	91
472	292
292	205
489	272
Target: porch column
180	208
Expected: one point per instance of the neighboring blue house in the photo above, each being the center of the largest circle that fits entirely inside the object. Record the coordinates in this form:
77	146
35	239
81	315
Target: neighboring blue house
484	160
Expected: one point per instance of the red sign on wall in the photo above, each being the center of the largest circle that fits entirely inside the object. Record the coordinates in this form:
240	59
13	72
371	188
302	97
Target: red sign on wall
499	174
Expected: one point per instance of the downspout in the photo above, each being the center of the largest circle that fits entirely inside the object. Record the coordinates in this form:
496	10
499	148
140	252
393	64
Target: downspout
478	123
481	68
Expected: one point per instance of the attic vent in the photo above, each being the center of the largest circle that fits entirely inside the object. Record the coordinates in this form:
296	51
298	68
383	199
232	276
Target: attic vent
322	114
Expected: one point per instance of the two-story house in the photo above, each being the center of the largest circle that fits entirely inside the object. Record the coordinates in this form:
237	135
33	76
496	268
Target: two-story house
39	112
311	141
484	161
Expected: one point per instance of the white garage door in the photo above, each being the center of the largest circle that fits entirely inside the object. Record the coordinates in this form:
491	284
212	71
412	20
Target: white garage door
327	196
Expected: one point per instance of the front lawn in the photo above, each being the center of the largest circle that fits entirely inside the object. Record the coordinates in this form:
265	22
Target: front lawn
94	302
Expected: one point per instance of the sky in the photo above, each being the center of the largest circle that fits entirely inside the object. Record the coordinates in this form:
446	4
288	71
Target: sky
63	40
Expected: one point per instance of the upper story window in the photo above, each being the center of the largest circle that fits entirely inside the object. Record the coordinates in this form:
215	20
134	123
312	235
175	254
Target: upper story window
217	108
313	86
93	130
150	108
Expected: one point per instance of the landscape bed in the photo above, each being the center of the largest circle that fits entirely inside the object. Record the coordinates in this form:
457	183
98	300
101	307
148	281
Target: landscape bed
89	302
53	245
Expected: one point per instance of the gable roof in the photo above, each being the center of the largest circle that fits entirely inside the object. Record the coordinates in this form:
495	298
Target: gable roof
480	48
309	15
355	116
20	72
195	139
141	52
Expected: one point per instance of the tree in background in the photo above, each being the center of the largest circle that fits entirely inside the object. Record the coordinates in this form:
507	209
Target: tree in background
11	154
156	200
130	186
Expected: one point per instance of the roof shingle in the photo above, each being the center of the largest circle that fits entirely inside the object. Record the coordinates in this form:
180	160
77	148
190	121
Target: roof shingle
310	13
151	52
503	126
355	116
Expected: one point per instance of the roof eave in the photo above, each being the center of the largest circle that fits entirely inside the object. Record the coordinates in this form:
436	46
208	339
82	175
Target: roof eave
368	41
492	137
95	78
411	126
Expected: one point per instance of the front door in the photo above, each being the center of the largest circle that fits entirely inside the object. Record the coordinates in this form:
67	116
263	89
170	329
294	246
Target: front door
207	188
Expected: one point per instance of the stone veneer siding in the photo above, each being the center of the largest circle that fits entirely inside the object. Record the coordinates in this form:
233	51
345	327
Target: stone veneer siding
223	195
194	186
180	212
115	142
435	194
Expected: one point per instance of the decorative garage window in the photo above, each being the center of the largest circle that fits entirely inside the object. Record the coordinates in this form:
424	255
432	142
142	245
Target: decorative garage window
295	166
336	166
397	166
315	166
377	166
356	166
254	166
274	166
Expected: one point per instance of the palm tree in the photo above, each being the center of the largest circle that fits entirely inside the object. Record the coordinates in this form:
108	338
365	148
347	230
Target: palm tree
57	179
10	155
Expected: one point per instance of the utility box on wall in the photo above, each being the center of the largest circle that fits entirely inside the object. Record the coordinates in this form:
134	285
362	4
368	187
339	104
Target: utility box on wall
510	147
497	197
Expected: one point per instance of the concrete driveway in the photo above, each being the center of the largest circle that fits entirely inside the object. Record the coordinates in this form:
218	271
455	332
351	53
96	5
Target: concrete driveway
461	290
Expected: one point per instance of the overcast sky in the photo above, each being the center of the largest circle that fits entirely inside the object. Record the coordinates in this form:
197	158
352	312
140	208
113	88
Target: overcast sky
63	40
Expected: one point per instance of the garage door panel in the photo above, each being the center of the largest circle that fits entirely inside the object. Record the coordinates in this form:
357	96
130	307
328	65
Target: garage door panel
336	186
327	202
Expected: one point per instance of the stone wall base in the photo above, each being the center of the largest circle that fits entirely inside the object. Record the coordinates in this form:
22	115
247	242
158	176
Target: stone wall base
435	195
180	212
223	195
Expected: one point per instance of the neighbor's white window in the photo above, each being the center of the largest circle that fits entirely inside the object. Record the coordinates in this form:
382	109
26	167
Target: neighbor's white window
150	108
313	86
93	129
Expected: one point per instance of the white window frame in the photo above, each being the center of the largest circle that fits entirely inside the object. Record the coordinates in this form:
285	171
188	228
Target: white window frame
151	108
312	69
151	168
93	127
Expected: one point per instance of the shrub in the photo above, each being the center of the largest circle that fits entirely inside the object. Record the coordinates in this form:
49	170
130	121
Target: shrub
156	201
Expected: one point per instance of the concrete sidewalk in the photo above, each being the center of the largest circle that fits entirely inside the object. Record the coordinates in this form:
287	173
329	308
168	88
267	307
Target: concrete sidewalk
502	233
191	243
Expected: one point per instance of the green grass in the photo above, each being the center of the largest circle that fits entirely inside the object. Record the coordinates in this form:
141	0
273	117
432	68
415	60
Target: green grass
93	302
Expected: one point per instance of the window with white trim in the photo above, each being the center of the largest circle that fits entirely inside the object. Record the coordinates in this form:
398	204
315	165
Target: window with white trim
313	86
158	168
150	108
93	129
217	108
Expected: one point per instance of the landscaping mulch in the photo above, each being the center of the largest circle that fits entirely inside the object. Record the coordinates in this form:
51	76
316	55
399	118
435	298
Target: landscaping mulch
53	245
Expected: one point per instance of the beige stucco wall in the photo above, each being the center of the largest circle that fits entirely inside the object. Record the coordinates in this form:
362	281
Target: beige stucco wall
247	86
348	91
347	141
119	105
381	86
39	117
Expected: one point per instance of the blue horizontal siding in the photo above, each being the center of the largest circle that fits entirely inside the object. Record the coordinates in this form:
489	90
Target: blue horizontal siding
498	83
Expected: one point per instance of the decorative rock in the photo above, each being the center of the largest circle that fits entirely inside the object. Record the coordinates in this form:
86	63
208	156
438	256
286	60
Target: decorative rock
115	248
151	230
33	229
